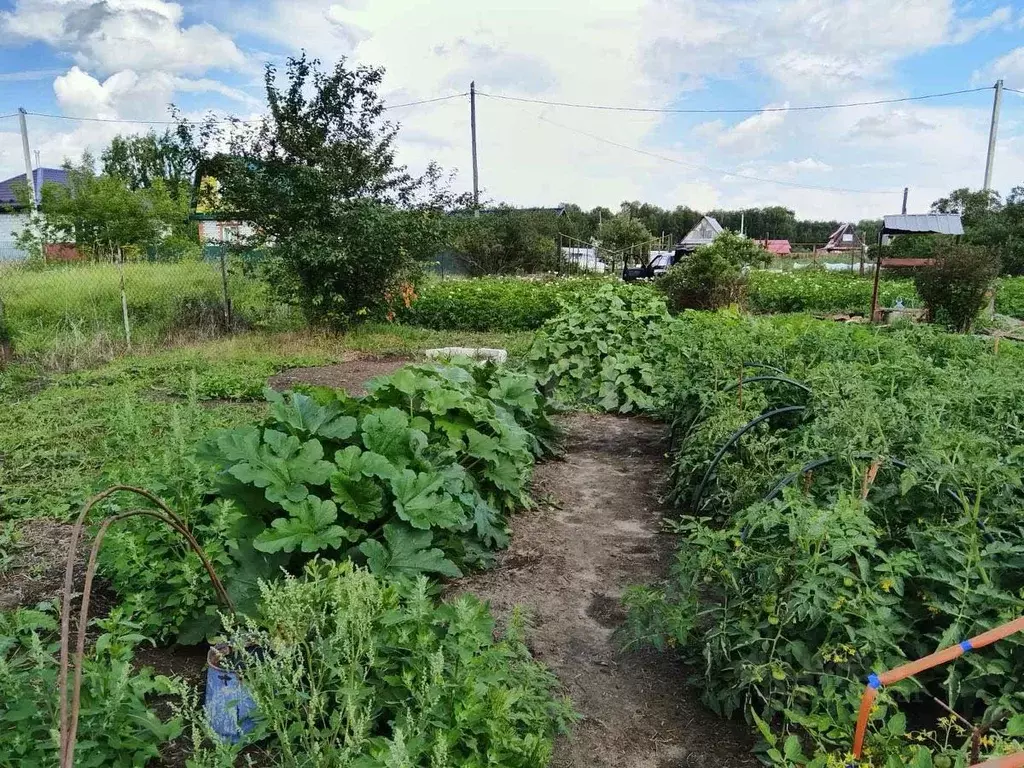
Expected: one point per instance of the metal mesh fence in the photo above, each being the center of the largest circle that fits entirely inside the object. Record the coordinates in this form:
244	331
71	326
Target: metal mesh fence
70	313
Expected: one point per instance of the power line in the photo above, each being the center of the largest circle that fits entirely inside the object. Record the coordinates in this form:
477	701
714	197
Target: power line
4	117
214	122
745	110
719	170
1013	90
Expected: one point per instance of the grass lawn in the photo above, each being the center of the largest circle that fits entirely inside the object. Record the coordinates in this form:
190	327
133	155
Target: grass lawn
136	418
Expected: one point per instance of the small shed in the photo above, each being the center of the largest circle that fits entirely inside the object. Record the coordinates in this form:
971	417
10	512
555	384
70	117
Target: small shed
911	224
844	239
704	233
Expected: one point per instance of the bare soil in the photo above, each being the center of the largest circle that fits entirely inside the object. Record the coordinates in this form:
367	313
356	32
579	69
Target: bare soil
594	533
350	375
39	558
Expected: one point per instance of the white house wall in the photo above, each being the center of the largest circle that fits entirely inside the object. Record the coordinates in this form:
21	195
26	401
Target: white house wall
11	224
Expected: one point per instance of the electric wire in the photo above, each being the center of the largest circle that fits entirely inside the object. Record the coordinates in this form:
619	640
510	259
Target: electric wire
742	110
215	122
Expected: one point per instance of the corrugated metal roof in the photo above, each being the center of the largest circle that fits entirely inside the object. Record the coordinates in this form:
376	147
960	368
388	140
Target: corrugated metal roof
937	223
41	176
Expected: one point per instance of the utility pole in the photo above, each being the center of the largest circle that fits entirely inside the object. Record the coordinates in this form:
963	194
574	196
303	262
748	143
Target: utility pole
992	131
28	156
906	190
472	126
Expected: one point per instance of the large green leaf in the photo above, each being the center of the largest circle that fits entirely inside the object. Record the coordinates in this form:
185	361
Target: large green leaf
420	503
406	554
483	447
387	433
360	497
281	464
302	414
353	462
310	526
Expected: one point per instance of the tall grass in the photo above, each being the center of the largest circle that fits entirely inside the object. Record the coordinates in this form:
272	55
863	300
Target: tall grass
70	316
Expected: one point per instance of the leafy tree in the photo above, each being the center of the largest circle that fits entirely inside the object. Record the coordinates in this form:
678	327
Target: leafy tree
954	286
972	206
619	233
101	215
505	241
141	160
712	276
318	180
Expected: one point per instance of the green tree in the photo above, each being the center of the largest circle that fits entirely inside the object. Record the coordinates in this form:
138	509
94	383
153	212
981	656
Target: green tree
142	160
618	235
319	182
973	206
505	241
101	215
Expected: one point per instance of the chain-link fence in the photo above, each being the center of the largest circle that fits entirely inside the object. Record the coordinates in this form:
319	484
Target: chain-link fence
72	313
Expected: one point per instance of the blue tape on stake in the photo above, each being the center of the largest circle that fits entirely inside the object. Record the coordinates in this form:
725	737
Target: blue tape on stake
966	646
874	682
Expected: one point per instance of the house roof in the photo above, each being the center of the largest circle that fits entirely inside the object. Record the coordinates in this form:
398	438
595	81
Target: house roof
837	243
40	176
780	247
935	223
706	230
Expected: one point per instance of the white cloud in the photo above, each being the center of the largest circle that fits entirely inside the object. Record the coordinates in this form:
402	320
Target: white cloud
749	136
809	164
28	75
1008	67
128	94
967	29
890	124
112	35
623	52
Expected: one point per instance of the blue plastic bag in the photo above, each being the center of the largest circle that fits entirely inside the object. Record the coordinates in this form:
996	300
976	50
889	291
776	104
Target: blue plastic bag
229	707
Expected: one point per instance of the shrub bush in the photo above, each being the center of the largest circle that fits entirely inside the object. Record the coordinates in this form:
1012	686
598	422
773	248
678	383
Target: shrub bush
954	287
712	276
505	241
378	676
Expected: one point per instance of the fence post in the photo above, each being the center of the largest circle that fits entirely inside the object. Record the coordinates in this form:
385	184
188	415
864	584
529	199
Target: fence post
124	301
224	284
6	351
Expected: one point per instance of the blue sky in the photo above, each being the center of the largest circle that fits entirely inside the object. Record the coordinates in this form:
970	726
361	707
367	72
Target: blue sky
127	59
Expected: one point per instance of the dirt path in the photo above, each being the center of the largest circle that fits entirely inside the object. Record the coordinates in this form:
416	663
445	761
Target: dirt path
350	375
594	534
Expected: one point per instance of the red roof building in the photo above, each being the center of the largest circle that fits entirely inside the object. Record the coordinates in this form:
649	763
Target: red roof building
777	247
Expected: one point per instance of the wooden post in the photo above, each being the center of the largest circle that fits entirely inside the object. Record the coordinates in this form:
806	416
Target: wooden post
874	290
124	302
228	323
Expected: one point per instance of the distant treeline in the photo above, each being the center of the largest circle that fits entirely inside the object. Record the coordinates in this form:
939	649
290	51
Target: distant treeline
775	222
